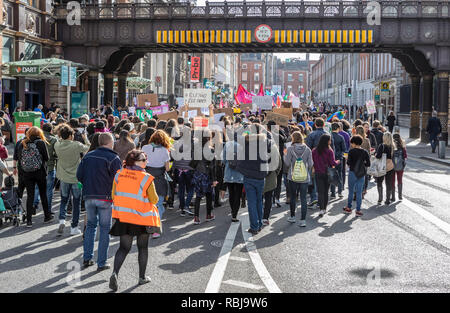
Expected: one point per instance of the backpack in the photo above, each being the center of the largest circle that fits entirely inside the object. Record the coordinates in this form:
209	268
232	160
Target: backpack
31	160
359	169
10	198
233	162
299	172
399	161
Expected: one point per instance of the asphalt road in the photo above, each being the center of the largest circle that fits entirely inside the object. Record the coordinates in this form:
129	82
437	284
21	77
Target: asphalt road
404	247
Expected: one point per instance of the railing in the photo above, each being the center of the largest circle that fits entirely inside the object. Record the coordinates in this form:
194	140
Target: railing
260	9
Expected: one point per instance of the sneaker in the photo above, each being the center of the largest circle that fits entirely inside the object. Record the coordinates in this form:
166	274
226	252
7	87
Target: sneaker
251	231
88	263
347	210
107	266
61	226
144	280
48	219
233	219
332	197
29	224
302	223
210	218
312	203
69	213
75	231
188	211
196	220
156	235
291	219
322	213
113	282
359	213
182	213
340	195
277	203
265	222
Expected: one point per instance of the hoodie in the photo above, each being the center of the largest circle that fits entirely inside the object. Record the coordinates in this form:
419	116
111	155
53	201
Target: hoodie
295	151
253	166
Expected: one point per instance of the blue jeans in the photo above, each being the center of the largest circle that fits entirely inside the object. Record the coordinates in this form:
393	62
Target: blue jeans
355	184
293	189
185	184
314	189
254	192
340	179
66	189
50	185
434	142
160	206
98	212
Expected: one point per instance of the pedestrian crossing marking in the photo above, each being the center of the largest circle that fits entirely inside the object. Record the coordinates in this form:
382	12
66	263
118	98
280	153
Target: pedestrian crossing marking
243	284
236	258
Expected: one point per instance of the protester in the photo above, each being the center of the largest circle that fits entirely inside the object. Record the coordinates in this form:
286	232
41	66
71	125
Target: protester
387	147
433	129
124	144
390	121
340	148
399	160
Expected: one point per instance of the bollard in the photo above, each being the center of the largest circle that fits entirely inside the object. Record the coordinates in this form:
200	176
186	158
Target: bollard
441	148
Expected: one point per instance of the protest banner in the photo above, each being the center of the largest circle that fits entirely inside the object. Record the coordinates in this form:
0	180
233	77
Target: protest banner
263	102
279	119
131	110
197	98
284	111
295	102
201	122
286	104
167	116
370	105
142	114
151	99
160	109
227	111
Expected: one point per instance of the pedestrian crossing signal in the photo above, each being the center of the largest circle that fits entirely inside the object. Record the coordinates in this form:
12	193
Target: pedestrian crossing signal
349	92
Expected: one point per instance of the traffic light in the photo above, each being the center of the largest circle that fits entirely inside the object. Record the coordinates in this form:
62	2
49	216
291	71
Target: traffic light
189	60
349	92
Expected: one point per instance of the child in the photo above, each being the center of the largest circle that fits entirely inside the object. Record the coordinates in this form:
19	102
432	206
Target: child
10	196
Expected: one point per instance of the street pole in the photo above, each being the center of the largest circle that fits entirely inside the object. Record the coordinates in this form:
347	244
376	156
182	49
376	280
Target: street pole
68	90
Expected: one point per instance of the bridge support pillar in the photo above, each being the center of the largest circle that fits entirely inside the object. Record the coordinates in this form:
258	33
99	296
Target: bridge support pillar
108	83
122	89
414	130
427	104
443	103
93	89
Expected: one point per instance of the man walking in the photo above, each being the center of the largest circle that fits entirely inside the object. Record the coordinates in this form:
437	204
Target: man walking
339	149
96	172
68	151
434	128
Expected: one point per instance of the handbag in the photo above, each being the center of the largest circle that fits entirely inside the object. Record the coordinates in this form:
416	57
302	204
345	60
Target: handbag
377	166
333	178
389	165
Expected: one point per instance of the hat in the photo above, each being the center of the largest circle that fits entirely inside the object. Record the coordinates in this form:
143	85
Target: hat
84	117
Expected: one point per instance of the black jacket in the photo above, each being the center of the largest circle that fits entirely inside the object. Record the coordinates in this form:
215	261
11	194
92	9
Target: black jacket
378	136
41	146
253	166
339	146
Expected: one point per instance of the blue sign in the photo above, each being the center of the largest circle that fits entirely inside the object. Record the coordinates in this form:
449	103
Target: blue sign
65	76
73	76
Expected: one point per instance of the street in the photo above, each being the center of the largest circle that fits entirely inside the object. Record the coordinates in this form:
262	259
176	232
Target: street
404	247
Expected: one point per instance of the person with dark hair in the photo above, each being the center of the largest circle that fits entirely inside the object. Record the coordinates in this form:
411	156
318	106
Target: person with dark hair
180	121
148	134
135	213
376	125
94	142
69	154
100	127
358	161
399	159
161	125
124	144
151	123
340	149
323	157
390	121
434	128
119	126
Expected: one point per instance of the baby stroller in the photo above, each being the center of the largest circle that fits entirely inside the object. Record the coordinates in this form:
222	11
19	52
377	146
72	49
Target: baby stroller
12	203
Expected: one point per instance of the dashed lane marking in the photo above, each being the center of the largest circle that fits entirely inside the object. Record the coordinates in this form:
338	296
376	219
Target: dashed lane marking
236	258
243	284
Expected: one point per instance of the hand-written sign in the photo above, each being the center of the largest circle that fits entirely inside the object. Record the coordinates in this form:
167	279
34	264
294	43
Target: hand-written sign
263	102
197	98
151	98
167	116
279	119
201	122
295	102
284	111
227	111
370	105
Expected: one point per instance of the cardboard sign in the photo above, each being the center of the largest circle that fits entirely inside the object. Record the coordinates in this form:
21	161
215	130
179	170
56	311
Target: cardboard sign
263	102
167	116
151	99
279	119
142	114
286	104
295	102
227	111
197	98
284	111
132	110
247	107
200	122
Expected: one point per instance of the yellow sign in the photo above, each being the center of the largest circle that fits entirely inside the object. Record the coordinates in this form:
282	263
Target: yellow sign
384	86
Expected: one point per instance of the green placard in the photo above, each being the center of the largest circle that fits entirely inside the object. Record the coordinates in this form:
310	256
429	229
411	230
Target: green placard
377	97
141	115
25	70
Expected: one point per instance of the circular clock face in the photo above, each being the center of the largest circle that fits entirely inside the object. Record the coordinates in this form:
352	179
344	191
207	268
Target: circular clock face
263	33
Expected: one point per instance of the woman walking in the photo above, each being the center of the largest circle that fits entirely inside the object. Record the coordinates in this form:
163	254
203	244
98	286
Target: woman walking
323	158
299	162
124	145
365	146
399	159
387	147
134	197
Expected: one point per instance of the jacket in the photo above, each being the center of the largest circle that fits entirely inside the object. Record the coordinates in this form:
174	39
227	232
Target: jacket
42	147
205	166
313	139
122	148
434	127
300	151
253	166
378	136
231	175
339	146
323	161
271	180
51	151
96	172
68	152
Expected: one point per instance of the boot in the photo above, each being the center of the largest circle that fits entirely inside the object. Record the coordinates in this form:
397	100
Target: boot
400	187
388	196
380	194
393	194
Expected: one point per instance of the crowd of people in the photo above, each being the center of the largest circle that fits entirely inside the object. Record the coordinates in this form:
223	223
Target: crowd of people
125	173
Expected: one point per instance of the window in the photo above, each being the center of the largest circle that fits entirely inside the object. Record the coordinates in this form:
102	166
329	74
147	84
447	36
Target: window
256	88
8	49
289	88
290	78
244	76
244	66
38	25
257	66
32	51
9	12
300	77
256	77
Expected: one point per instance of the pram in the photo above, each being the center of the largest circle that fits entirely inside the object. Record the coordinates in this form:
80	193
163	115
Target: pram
12	204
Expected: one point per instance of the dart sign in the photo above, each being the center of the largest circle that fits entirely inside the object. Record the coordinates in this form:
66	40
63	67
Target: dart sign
19	70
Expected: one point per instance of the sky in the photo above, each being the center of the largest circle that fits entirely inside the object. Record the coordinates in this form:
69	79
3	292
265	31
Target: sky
284	56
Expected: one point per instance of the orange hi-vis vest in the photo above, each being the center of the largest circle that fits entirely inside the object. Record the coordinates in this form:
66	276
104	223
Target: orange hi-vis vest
131	204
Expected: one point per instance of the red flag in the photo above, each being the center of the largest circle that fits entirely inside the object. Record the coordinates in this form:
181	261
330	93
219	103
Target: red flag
221	103
261	90
243	95
278	102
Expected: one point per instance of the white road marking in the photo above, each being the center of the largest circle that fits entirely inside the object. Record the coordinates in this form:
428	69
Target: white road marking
242	284
428	216
256	259
236	258
219	270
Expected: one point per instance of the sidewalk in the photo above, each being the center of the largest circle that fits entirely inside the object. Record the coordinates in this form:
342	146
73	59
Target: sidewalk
423	151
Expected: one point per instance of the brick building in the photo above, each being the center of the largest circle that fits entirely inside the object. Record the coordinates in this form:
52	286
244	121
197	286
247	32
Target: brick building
251	71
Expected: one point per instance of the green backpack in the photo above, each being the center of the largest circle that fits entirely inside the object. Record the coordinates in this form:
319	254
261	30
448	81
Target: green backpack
299	172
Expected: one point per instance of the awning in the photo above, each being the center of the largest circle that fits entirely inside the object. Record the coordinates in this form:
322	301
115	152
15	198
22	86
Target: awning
41	68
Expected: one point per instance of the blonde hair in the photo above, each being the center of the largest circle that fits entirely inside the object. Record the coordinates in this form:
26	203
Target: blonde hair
297	137
389	141
360	131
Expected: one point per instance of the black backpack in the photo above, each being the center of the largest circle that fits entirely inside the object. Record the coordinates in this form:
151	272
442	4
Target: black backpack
360	169
31	160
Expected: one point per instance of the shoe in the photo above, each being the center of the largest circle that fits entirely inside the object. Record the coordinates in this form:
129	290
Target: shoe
69	213
88	263
113	282
188	211
312	203
259	229
48	219
182	213
29	224
191	205
291	219
322	213
302	223
217	204
359	213
33	210
347	210
156	235
144	280
107	266
251	231
62	224
83	209
234	220
332	197
196	220
379	202
75	231
340	195
265	222
210	218
277	203
433	151
387	202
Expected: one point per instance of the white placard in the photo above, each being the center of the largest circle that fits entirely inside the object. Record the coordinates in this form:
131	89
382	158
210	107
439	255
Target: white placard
180	102
192	113
131	110
217	117
295	102
262	102
197	98
370	105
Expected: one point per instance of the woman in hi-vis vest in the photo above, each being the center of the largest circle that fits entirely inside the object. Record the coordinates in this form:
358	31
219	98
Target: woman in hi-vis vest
135	213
